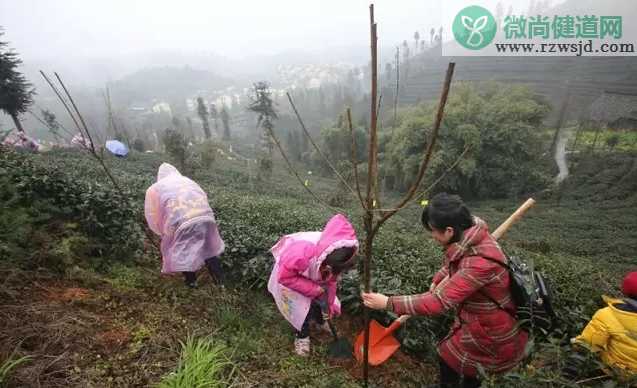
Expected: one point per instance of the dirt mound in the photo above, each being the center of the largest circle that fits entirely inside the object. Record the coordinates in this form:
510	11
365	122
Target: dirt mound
114	339
67	294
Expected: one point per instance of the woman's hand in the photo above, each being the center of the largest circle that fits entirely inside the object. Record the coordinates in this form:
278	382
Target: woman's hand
375	301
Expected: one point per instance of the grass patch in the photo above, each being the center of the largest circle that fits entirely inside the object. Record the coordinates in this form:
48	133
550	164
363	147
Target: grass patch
203	363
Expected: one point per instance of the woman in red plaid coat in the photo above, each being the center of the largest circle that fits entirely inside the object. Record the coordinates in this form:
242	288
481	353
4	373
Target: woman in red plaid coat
485	333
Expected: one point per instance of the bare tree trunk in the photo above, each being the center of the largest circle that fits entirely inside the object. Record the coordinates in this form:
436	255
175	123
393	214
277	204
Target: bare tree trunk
17	122
368	219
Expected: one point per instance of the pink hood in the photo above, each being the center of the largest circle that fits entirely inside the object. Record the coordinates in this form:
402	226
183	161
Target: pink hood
337	233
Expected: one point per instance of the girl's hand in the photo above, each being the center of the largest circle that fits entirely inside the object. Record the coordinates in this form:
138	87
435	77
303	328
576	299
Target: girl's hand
375	301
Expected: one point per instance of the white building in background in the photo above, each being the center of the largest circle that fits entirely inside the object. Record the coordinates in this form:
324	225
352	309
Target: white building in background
226	100
162	107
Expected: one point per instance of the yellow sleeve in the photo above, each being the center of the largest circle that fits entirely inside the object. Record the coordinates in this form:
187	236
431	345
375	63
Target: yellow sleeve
596	334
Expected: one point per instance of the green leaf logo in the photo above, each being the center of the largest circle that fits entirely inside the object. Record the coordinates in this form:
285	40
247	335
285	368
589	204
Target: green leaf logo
474	27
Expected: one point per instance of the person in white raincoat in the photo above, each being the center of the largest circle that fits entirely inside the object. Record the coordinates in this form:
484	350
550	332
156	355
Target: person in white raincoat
177	209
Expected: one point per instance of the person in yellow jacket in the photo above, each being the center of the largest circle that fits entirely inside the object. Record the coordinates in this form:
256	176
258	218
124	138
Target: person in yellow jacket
612	332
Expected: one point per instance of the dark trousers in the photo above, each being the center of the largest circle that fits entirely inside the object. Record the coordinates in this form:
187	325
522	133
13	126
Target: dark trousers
214	269
449	378
313	315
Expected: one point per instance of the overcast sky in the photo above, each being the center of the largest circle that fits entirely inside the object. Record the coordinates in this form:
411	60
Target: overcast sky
39	29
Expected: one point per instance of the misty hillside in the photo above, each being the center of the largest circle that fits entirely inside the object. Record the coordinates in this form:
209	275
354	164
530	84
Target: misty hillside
169	83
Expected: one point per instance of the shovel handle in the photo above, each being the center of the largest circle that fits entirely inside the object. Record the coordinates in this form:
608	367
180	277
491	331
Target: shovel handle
502	229
332	329
396	324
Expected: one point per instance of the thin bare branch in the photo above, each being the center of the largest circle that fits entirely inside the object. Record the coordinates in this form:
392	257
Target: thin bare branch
422	194
77	111
100	157
287	161
377	183
316	147
441	177
354	158
373	138
430	147
63	101
68	131
604	376
47	125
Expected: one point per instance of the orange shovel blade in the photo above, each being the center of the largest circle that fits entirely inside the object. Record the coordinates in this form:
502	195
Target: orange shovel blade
381	344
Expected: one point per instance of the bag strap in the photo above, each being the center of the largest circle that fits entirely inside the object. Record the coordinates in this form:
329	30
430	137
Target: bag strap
508	268
496	303
501	264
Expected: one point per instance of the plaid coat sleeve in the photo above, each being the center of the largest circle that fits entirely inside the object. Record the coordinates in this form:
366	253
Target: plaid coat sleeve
473	274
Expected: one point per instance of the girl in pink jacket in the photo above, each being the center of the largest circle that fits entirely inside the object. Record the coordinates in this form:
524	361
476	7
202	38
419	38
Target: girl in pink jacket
305	274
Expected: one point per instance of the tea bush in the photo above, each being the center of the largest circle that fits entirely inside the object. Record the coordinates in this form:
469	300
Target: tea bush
72	192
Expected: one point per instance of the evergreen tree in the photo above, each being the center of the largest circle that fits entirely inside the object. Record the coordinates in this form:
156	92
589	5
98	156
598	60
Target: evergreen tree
177	126
202	111
52	123
263	106
189	122
225	120
16	94
405	51
416	38
215	115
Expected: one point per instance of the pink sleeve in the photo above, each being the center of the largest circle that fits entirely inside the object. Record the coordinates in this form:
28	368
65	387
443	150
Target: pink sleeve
331	297
294	261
